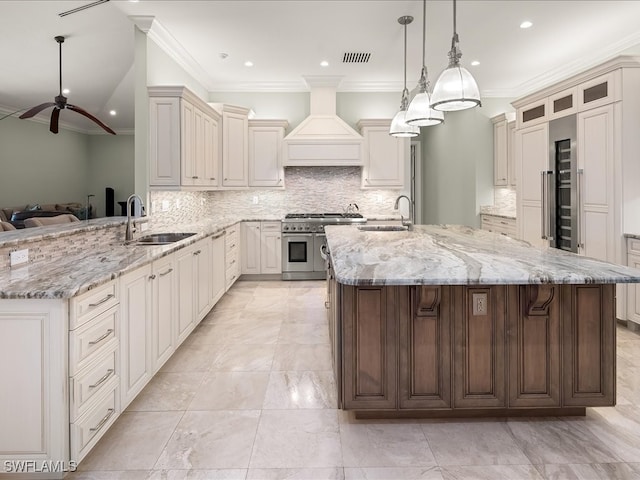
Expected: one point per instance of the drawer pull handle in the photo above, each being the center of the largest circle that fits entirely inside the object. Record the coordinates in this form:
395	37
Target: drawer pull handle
103	421
167	272
232	246
197	252
152	276
103	379
195	176
233	261
105	299
327	305
102	337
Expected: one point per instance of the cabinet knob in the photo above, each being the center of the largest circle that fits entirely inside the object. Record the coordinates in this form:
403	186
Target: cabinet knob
226	179
212	178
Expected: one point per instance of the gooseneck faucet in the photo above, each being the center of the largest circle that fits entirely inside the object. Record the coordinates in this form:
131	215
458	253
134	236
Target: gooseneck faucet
407	223
128	236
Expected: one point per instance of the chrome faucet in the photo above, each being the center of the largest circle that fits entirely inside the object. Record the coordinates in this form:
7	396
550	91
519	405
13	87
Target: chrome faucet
407	223
128	236
352	208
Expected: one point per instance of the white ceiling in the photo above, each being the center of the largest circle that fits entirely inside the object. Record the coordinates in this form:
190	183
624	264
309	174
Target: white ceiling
287	40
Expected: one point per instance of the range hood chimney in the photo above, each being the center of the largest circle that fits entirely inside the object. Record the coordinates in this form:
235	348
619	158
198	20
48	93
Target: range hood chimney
323	138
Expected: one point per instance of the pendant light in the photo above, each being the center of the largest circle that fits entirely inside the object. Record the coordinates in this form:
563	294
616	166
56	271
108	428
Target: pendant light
455	89
399	126
420	112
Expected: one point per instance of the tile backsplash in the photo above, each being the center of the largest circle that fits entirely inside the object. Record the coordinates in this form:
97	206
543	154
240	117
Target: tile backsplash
505	199
308	189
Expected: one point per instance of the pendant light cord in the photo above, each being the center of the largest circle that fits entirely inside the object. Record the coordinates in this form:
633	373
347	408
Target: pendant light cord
405	91
424	34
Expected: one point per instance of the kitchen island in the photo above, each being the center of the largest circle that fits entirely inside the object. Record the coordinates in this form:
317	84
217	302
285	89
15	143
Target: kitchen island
454	321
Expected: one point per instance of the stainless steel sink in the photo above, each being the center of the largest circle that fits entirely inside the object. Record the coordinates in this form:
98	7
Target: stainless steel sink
383	228
162	238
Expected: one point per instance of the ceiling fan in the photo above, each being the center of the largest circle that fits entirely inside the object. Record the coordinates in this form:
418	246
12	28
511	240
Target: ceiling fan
60	103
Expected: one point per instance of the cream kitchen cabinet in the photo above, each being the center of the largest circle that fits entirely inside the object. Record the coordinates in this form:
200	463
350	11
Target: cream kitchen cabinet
232	247
164	310
200	146
218	267
385	156
596	196
511	153
498	224
235	145
136	290
261	248
532	157
633	289
270	248
265	153
250	258
34	408
185	140
500	150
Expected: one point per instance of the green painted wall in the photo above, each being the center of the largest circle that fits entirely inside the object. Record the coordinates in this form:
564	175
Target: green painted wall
111	164
40	167
457	165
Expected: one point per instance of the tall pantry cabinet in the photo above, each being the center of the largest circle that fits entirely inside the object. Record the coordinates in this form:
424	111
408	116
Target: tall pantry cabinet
605	102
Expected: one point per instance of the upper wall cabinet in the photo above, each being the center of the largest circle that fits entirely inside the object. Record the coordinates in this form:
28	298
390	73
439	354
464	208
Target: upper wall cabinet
265	153
504	171
185	140
235	145
384	156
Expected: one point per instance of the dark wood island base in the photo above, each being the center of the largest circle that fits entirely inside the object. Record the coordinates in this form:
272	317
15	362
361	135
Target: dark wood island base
432	351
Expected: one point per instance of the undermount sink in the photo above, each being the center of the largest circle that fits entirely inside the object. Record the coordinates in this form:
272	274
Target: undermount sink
162	238
383	228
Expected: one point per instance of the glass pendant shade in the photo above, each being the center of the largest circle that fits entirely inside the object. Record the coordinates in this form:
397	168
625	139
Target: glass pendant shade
400	127
420	112
455	89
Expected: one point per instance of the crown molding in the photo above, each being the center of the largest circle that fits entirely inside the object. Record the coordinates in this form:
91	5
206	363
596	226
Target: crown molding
167	42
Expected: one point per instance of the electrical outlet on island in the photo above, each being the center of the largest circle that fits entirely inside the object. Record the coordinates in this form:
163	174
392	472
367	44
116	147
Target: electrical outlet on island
19	257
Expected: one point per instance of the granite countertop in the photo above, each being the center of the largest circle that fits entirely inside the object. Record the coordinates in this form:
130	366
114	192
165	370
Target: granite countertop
458	255
79	273
632	235
497	211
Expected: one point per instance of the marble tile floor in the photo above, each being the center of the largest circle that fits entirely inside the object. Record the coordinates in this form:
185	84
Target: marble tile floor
251	395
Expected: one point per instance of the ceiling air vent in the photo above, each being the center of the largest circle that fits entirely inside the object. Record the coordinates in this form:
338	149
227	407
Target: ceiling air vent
351	57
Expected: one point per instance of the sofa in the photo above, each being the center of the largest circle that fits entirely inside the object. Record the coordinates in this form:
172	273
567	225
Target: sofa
17	215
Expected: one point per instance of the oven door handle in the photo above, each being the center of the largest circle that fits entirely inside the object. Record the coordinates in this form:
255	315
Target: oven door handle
324	253
288	235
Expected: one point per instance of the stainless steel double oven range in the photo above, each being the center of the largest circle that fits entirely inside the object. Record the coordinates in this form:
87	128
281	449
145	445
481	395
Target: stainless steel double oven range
302	238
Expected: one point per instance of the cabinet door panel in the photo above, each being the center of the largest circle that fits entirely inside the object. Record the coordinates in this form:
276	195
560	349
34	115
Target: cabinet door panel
425	348
479	348
135	304
265	158
186	308
369	347
589	345
534	346
235	150
500	153
271	253
202	262
165	310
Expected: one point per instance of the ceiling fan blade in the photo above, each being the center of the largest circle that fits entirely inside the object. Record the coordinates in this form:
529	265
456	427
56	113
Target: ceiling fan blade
36	110
90	117
55	115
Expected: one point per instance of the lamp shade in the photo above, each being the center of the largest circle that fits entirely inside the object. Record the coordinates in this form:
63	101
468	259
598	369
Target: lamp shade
420	112
400	128
455	89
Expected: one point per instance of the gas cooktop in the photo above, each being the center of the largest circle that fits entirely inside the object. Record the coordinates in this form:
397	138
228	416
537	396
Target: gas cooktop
290	216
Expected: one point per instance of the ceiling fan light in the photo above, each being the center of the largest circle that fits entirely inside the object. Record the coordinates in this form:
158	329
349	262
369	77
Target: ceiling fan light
421	114
400	128
455	89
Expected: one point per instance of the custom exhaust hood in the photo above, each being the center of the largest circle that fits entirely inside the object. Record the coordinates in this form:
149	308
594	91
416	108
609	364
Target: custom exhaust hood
323	138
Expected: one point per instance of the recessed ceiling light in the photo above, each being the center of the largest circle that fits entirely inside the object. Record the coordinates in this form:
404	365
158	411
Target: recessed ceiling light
223	55
475	63
112	113
526	24
66	91
248	63
324	63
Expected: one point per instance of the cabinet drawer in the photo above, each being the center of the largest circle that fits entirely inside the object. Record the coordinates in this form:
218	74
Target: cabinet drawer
89	428
633	245
99	377
231	259
99	335
270	226
86	306
232	275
